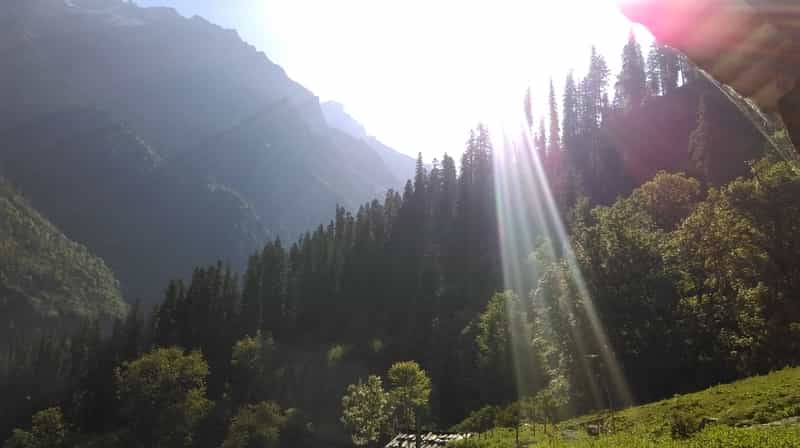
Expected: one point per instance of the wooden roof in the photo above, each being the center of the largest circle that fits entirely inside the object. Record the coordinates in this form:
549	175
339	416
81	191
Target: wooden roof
429	440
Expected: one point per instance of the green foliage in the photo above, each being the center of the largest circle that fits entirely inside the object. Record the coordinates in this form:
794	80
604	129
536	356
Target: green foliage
162	395
724	415
21	439
663	70
256	426
665	265
480	420
337	353
371	413
674	288
719	436
45	275
511	416
48	430
733	255
631	87
683	425
668	199
409	392
366	411
254	369
505	355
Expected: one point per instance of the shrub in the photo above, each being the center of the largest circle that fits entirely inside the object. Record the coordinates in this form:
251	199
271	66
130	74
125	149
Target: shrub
683	425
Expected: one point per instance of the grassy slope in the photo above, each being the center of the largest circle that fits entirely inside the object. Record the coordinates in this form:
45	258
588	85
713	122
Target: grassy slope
741	409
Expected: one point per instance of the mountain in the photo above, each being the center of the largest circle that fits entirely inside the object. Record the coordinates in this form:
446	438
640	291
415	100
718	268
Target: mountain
401	165
105	187
163	142
44	275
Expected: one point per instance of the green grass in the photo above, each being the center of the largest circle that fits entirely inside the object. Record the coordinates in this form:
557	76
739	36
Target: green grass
734	416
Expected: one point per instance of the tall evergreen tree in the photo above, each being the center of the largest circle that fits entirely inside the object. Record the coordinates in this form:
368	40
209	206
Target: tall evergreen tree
570	110
528	106
653	70
663	70
631	85
449	189
419	178
273	287
700	140
541	141
252	308
554	144
593	94
670	69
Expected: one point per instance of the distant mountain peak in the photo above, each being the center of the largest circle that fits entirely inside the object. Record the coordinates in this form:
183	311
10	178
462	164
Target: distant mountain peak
338	118
147	121
401	165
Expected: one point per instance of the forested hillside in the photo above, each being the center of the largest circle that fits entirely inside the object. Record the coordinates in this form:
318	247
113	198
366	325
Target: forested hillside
125	125
101	184
638	242
46	280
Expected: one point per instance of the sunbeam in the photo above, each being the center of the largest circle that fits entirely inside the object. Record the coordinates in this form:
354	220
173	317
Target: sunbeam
528	216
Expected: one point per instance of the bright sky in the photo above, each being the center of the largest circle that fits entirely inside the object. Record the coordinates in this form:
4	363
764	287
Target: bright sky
418	74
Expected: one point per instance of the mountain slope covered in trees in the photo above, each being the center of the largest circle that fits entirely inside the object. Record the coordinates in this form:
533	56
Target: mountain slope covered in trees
47	280
161	141
102	185
567	268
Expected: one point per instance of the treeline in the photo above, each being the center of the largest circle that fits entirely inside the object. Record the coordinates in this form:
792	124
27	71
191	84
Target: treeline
677	286
609	134
398	280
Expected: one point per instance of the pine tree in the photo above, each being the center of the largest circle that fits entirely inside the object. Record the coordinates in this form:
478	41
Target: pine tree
570	110
165	326
663	70
631	85
670	69
449	188
434	183
554	144
593	92
134	332
700	140
273	287
654	85
252	308
528	106
420	180
541	142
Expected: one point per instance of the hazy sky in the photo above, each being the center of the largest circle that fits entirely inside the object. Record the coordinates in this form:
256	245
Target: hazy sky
419	73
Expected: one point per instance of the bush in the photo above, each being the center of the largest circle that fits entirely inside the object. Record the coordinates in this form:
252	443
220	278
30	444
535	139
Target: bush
683	425
478	421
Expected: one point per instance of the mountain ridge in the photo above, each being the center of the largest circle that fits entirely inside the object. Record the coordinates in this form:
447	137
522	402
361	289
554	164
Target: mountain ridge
46	279
210	123
402	165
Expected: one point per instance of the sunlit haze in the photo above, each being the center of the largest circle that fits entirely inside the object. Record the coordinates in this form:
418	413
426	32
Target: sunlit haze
419	74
